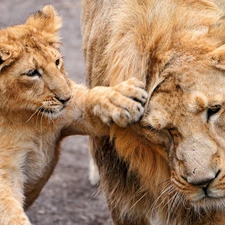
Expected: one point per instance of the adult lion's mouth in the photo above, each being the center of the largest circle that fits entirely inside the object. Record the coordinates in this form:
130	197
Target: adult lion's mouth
209	203
206	198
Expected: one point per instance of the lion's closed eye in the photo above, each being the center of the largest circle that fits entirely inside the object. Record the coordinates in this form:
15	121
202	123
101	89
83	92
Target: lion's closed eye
33	73
212	110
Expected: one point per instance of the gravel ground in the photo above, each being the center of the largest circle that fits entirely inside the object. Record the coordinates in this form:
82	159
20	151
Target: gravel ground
68	198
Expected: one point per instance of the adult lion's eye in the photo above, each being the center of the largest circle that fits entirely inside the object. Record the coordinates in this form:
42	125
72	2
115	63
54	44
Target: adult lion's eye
212	111
33	73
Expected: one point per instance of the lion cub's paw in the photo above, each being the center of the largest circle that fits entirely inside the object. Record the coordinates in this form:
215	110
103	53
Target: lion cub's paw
133	88
122	104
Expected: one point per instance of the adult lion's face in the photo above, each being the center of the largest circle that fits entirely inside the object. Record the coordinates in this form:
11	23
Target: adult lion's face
32	76
190	105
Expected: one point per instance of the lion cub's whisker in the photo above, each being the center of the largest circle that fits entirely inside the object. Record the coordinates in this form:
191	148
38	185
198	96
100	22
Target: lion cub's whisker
33	115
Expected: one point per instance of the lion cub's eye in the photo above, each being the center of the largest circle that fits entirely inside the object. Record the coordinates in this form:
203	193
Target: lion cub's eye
57	62
212	111
33	73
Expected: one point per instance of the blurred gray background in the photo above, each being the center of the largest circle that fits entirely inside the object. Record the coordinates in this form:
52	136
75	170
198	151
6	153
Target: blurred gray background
68	198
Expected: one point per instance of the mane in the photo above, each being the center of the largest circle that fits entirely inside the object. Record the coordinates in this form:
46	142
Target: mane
150	36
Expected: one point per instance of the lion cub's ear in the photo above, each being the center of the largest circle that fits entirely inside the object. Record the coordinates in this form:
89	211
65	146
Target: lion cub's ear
46	20
8	53
218	57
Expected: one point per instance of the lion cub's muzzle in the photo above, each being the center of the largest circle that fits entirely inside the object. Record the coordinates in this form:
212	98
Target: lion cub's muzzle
59	96
53	105
64	99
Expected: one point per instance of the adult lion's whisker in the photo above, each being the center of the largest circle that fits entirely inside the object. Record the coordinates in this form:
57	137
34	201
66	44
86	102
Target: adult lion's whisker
137	201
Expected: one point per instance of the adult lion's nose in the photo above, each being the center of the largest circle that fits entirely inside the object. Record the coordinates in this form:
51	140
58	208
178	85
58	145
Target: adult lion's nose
201	178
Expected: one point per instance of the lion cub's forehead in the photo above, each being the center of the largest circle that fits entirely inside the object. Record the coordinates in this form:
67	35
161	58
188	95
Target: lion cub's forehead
47	53
37	44
29	40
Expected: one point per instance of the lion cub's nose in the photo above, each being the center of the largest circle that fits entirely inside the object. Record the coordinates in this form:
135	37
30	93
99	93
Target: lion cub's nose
63	100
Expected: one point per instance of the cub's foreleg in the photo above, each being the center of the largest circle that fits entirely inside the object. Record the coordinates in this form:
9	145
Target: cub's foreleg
92	111
11	201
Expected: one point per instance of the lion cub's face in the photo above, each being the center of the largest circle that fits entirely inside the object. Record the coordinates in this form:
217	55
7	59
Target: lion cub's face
190	106
32	76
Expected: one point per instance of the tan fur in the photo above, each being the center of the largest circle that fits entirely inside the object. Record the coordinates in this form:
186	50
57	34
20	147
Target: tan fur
170	168
40	105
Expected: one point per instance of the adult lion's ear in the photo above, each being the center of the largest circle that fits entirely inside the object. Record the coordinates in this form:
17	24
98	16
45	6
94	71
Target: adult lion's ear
46	20
218	57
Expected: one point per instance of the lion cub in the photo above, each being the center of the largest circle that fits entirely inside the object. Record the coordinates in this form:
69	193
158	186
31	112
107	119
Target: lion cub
40	105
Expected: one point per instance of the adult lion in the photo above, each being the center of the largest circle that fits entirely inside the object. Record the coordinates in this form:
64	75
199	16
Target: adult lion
170	168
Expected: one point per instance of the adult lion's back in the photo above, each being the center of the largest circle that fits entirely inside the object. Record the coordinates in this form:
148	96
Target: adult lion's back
169	168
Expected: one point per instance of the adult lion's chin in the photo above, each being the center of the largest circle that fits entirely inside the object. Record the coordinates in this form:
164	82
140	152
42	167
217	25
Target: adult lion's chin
208	196
208	203
204	199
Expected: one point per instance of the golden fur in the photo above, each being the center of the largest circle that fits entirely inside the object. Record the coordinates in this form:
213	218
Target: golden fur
170	168
40	105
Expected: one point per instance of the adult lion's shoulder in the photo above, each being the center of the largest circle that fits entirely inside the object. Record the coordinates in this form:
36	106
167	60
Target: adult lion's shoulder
169	169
